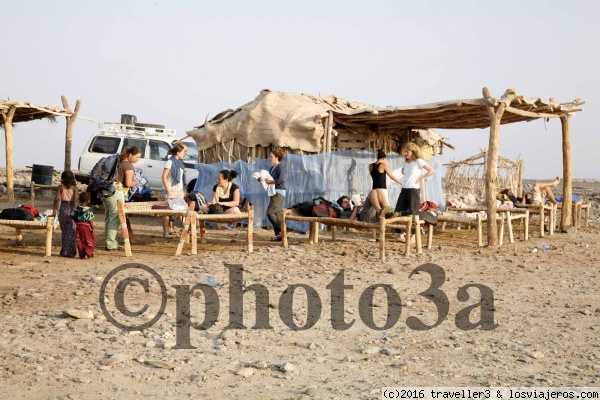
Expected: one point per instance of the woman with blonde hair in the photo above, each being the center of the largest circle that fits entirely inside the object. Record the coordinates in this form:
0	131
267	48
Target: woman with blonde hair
410	196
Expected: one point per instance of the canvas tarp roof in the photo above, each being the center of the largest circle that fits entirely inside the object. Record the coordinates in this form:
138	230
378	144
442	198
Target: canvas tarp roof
279	119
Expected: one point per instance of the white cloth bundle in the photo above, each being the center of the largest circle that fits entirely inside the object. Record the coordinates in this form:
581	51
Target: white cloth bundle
264	175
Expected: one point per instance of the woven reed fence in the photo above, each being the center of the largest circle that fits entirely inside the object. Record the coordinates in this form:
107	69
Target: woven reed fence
468	176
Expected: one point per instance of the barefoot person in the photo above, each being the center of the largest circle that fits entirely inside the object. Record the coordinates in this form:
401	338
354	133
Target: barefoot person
546	188
378	170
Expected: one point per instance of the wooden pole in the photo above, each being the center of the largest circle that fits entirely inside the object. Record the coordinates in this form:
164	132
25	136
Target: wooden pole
565	218
329	130
8	128
69	131
495	111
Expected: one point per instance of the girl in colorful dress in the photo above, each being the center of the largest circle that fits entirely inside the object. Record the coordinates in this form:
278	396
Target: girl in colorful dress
82	215
66	199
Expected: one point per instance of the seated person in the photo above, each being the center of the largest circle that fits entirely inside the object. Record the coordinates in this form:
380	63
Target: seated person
225	193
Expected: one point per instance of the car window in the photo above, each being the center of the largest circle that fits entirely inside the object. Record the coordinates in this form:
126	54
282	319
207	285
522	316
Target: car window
141	143
192	153
158	150
104	144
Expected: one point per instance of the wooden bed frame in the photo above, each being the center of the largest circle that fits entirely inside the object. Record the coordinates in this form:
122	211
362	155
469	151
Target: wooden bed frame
377	228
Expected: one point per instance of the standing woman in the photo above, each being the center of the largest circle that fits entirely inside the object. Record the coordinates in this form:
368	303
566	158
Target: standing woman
174	180
378	170
225	193
130	156
277	172
410	196
66	198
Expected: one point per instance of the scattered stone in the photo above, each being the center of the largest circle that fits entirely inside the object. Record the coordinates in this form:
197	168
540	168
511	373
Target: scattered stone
311	346
159	364
569	229
114	359
287	367
79	314
245	372
259	365
536	355
370	350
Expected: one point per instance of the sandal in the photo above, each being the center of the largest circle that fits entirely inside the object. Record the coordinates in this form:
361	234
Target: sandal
277	238
120	248
168	236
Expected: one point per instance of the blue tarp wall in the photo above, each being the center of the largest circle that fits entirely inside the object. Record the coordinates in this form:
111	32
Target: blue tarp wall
330	175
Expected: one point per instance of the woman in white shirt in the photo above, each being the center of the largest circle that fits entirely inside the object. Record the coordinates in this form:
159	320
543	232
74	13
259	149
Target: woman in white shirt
410	196
174	180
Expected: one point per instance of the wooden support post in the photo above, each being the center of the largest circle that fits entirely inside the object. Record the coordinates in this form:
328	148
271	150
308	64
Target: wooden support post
123	225
381	231
69	131
32	193
49	236
8	129
194	234
329	130
284	233
567	176
495	111
417	234
249	231
203	232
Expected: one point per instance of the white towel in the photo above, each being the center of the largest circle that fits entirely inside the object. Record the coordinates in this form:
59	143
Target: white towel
264	175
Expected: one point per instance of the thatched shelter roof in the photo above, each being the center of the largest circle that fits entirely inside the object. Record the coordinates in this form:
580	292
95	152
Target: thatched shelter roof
12	111
25	111
455	114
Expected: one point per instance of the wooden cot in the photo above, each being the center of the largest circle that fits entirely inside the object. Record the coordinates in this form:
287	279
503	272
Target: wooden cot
476	222
228	219
145	208
543	210
578	208
507	214
376	227
26	225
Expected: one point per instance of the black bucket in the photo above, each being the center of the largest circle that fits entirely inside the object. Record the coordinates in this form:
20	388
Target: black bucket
42	175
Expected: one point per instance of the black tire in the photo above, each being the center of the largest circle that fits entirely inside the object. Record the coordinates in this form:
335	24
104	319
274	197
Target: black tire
191	185
150	125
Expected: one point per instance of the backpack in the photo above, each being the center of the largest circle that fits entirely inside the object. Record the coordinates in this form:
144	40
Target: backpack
324	210
31	210
104	174
16	214
305	208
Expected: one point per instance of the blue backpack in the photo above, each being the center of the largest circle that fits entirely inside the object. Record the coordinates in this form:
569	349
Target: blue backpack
104	174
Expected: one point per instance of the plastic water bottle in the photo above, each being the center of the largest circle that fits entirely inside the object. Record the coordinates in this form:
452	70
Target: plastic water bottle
210	282
544	247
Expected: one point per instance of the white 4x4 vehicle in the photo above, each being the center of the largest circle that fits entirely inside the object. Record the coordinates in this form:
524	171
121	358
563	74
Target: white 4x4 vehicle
155	142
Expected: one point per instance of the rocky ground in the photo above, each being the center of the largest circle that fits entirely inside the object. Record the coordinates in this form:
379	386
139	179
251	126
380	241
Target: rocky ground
56	342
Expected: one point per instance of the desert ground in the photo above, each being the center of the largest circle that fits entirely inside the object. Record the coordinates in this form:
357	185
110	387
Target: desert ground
539	327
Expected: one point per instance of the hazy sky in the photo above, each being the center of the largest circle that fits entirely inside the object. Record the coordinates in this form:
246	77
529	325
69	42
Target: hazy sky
173	62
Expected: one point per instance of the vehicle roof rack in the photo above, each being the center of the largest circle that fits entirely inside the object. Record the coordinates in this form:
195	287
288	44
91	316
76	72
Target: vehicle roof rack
116	128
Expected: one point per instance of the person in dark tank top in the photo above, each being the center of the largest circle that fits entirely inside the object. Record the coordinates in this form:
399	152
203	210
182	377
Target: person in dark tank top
378	171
